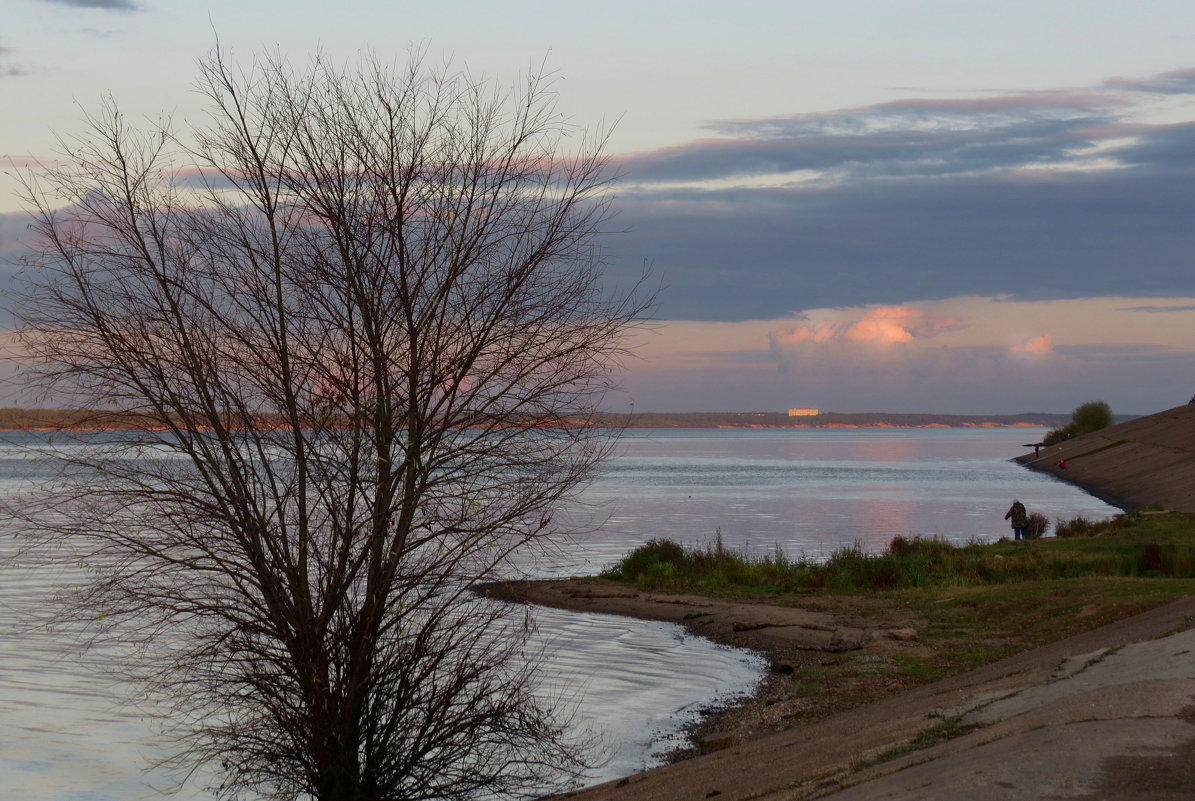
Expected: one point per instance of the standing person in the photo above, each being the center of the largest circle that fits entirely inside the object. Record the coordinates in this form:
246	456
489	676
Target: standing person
1020	520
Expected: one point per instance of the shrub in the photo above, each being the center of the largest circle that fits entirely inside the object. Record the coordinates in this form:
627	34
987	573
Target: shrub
1038	523
853	567
1056	435
649	559
1075	527
1090	416
1082	527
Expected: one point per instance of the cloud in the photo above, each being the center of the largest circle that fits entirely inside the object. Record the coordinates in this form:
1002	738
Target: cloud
1178	82
902	138
1167	146
1159	309
961	354
749	252
111	5
198	178
915	145
884	346
882	326
1036	195
13	230
1041	345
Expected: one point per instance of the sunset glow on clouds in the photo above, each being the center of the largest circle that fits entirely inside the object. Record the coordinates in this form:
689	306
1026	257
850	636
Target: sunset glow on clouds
883	325
1042	345
997	353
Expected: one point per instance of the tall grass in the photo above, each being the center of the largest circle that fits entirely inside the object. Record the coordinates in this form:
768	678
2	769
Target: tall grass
1120	547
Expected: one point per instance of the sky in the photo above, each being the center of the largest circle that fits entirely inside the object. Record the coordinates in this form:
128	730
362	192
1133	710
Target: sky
946	206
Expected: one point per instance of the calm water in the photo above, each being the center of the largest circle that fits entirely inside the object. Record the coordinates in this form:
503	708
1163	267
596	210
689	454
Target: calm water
65	735
813	491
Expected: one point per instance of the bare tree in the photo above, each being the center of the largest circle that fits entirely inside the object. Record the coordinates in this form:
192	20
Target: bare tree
358	321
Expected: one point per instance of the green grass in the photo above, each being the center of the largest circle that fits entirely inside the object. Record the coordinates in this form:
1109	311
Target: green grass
1160	546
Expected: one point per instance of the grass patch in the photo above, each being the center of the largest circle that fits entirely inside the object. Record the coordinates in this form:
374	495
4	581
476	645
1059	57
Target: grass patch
1127	546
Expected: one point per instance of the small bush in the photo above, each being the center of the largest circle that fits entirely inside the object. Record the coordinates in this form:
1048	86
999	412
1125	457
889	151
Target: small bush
1082	527
1056	435
1090	416
902	546
1075	527
650	560
1038	523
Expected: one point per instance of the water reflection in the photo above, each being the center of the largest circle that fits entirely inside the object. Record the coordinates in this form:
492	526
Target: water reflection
812	491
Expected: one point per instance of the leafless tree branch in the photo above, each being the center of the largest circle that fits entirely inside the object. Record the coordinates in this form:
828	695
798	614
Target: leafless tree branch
361	317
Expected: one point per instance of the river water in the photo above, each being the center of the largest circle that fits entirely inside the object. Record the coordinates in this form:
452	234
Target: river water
66	735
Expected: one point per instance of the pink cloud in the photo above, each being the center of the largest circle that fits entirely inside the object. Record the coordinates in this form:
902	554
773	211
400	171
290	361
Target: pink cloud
820	332
1040	345
880	326
885	325
878	350
879	331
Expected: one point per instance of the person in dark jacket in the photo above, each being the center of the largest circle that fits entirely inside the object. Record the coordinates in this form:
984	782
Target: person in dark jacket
1020	520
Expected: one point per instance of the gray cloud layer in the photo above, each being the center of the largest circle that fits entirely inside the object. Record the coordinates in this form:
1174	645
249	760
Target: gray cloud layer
112	5
1049	195
1037	196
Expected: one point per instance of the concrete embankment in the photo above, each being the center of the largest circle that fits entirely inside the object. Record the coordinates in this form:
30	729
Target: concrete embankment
1149	461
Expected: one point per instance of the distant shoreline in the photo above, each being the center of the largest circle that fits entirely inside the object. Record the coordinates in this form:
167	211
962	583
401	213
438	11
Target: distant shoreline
13	419
838	420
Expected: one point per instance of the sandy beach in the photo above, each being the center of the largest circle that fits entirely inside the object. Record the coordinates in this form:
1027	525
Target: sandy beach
1109	713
